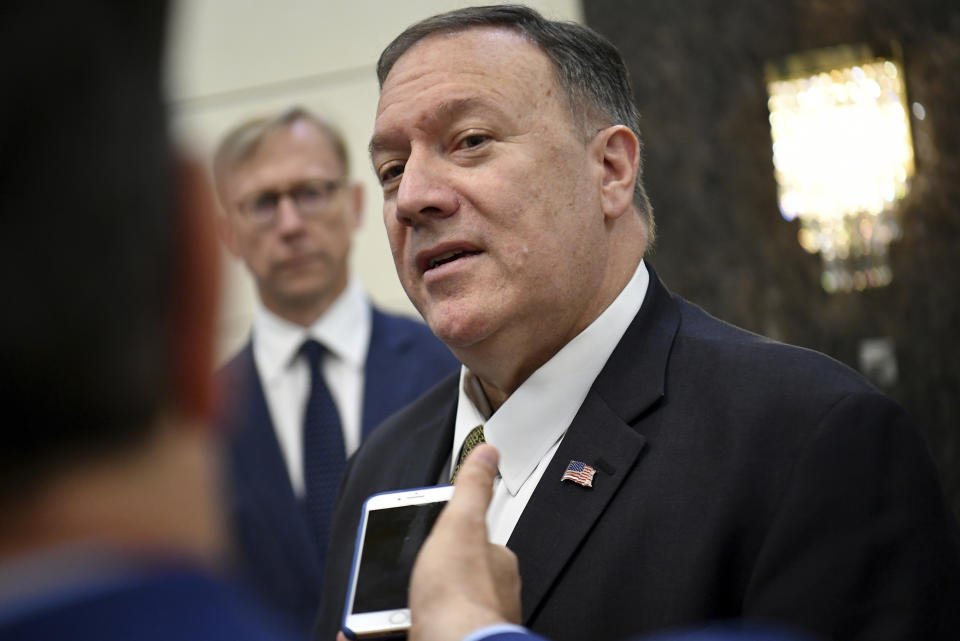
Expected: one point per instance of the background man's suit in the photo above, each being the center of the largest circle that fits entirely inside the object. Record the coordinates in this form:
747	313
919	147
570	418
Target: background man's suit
735	477
277	555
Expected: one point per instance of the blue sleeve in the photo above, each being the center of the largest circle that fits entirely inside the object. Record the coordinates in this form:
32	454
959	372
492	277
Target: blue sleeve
503	632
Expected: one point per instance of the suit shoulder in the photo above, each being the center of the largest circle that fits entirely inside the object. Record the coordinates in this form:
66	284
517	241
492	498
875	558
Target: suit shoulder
439	400
403	325
408	334
236	368
748	357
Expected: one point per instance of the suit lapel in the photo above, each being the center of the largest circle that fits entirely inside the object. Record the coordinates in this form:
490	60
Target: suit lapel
560	515
606	433
264	498
427	454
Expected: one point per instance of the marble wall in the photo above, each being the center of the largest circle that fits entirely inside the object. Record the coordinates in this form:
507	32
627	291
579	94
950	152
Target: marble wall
697	72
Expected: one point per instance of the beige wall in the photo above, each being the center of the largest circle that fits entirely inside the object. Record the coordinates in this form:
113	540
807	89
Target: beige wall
233	59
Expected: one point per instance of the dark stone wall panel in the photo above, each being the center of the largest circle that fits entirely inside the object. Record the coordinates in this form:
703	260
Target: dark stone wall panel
697	73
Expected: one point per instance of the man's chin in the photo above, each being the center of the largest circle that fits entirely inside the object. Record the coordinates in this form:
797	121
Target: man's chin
304	295
459	329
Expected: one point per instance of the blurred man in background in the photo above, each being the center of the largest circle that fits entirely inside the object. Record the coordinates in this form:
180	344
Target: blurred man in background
322	368
108	484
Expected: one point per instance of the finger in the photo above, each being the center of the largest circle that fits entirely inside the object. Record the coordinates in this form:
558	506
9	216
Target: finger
474	487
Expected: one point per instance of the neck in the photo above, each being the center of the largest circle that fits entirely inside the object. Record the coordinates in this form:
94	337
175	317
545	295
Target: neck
501	368
161	499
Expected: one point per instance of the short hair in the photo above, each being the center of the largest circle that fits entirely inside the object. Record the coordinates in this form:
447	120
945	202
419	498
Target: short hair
243	141
589	68
88	244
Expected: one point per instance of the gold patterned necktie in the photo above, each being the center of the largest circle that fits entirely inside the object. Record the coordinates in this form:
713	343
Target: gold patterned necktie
474	438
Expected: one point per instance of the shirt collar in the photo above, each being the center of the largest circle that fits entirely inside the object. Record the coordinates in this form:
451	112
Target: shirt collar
343	329
539	412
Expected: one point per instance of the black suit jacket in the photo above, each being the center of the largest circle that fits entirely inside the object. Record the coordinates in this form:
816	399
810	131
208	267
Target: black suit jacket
736	477
276	555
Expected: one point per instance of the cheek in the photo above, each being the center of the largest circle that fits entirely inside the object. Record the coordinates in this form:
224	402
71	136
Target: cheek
396	237
332	234
342	236
253	247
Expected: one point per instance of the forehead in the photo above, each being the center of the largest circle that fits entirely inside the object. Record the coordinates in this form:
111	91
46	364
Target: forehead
293	152
300	138
484	67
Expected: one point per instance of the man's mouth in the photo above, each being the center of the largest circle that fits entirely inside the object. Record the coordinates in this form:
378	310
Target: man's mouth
448	257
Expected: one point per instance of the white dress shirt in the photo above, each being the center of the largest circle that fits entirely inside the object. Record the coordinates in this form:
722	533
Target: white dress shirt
528	427
344	330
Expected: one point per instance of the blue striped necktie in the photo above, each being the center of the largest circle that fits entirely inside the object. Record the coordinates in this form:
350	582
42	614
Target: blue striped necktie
324	454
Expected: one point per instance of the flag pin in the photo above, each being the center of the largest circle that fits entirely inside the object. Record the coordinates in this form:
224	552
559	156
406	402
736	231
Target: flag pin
580	473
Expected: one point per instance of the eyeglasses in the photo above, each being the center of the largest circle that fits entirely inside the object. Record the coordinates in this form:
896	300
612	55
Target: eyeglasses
310	197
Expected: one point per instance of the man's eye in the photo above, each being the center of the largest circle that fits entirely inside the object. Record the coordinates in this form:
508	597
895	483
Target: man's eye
309	192
264	202
474	140
390	172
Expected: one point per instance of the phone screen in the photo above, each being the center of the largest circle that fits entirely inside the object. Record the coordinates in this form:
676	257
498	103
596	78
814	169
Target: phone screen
390	545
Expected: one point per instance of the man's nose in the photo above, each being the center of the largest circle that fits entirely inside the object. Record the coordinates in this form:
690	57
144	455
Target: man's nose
425	190
289	219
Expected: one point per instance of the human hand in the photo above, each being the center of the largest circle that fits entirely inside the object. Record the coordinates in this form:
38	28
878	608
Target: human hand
461	582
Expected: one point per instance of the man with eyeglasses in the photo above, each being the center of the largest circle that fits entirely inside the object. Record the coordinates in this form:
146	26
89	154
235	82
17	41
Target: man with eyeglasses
322	367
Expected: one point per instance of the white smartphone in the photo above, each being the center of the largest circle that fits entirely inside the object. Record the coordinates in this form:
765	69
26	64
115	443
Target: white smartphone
392	528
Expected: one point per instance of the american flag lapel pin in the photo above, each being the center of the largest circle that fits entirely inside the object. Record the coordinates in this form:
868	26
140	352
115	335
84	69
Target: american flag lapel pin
580	473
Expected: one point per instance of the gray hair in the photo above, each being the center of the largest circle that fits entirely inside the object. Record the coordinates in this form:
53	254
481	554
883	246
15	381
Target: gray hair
589	68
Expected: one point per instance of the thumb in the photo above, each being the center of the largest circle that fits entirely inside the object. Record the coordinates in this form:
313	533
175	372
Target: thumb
474	486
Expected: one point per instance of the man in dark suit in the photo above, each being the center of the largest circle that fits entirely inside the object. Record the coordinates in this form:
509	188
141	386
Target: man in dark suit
658	467
464	587
289	212
111	523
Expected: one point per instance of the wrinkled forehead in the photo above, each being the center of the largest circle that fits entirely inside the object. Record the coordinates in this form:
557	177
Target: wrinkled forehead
496	57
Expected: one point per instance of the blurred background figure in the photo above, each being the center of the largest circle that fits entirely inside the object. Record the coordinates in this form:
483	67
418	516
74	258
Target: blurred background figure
108	485
322	367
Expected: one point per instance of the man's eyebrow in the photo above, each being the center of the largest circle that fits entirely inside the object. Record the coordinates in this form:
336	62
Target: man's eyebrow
446	111
452	108
378	143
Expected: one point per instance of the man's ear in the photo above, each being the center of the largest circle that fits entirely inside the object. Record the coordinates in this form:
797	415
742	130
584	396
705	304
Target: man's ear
620	151
196	287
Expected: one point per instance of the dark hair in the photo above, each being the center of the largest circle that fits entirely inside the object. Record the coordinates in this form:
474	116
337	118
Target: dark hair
241	142
589	68
87	248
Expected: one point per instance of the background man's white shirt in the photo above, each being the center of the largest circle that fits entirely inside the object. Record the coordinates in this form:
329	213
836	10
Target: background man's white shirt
344	329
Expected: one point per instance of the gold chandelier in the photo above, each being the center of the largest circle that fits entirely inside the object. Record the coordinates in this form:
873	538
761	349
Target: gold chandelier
843	157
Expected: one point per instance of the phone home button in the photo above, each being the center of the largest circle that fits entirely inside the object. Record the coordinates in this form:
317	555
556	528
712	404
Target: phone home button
399	617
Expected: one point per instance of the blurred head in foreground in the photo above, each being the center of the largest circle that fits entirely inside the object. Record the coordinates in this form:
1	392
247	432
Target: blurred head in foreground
105	339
